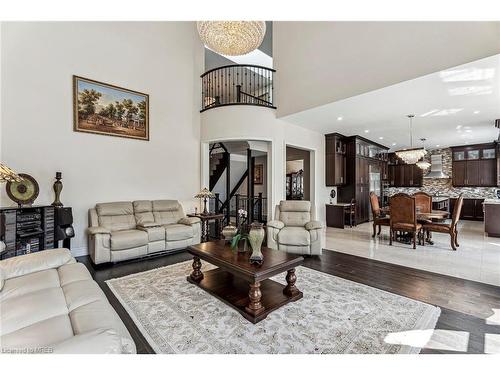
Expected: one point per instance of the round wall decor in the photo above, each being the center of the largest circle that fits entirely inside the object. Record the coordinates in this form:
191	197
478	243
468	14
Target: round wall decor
23	192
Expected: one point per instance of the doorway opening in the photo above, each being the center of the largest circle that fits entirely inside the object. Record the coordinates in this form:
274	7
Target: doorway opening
239	180
298	174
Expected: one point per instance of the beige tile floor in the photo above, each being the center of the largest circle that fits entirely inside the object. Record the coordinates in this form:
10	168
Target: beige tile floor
477	258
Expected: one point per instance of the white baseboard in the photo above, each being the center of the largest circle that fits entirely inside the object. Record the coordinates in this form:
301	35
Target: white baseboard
79	251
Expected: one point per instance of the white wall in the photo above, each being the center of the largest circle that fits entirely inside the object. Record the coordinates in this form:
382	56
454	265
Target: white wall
256	123
162	59
330	61
238	168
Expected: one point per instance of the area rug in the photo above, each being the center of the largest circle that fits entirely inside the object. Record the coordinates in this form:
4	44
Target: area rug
334	316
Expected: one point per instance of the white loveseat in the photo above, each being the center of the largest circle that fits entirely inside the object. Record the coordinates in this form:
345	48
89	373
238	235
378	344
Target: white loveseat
125	230
50	304
294	229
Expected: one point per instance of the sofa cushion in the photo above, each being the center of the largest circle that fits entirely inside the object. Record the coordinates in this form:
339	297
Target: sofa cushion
118	222
297	236
128	239
39	261
167	211
176	232
33	282
43	304
156	233
41	334
116	215
114	209
143	211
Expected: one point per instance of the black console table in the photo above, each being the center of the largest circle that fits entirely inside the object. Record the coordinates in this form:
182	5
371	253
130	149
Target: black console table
28	229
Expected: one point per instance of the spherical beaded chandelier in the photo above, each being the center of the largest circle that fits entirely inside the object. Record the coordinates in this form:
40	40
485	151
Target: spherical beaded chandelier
232	38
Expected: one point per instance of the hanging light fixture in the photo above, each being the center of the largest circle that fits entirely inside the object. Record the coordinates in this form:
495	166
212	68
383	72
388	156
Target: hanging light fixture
411	155
423	164
232	38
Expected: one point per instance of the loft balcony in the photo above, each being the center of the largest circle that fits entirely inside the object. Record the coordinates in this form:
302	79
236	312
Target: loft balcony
238	85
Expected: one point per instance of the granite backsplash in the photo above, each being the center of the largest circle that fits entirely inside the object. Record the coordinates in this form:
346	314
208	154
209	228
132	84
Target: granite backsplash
444	187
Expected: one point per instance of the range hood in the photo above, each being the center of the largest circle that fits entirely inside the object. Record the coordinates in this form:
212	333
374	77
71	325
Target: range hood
436	168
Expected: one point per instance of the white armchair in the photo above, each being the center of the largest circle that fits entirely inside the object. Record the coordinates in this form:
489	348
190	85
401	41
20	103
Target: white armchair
294	229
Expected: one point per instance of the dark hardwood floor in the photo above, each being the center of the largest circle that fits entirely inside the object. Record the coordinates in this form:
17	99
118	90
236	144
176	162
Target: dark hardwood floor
464	304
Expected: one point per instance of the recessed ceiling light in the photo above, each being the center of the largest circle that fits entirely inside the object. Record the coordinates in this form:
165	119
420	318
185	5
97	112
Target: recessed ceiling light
468	131
339	118
458	127
475	112
394	144
380	137
367	131
437	145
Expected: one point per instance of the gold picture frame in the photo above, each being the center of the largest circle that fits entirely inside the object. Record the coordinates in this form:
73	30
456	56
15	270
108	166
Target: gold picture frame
258	174
102	108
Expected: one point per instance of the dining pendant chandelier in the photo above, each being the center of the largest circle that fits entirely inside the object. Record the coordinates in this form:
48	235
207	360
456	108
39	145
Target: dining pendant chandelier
232	38
411	155
423	164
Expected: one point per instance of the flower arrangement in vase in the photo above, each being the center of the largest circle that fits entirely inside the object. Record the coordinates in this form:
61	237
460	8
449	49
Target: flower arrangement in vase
242	235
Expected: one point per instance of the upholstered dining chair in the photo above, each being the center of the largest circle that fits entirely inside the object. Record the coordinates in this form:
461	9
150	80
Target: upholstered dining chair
378	218
451	227
403	216
423	203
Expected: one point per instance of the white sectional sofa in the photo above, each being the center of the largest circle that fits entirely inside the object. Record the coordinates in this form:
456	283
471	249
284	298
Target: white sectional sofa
126	230
50	304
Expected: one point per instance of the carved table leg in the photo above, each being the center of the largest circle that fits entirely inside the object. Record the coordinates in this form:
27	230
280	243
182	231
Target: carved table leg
196	275
290	289
254	306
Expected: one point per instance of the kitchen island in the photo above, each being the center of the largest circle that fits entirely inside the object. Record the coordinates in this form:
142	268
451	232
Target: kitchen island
492	217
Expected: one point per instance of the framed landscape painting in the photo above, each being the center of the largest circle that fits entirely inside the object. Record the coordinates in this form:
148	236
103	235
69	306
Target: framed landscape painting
110	110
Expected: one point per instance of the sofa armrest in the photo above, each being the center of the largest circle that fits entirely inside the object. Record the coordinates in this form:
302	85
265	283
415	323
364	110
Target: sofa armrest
34	262
315	224
98	230
145	226
99	341
189	220
276	224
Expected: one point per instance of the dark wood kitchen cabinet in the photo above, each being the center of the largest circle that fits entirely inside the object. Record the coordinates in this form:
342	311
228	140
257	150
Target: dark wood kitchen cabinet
362	157
475	165
404	175
472	208
335	160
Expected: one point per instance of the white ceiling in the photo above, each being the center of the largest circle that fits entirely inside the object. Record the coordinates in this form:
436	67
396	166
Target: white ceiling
452	107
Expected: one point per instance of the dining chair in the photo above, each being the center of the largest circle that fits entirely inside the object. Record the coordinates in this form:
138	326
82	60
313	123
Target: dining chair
423	203
378	218
451	227
403	217
350	212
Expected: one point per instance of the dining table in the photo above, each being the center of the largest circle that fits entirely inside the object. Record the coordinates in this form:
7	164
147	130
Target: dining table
436	215
433	214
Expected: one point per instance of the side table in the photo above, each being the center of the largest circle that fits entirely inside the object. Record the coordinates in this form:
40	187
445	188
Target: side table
205	219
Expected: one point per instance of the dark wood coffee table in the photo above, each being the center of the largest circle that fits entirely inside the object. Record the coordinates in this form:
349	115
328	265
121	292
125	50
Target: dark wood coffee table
244	286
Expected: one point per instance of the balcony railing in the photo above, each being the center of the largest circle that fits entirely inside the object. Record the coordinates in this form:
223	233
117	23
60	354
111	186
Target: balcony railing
237	85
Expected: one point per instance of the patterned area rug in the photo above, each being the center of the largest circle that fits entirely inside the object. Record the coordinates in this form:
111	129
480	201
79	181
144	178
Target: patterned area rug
335	316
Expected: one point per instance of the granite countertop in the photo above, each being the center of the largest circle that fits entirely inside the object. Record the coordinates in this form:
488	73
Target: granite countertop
440	199
491	201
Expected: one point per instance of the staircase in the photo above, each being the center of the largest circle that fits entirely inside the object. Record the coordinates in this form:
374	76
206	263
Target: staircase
219	161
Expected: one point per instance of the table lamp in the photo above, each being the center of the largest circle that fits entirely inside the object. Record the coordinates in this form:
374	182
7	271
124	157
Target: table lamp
205	194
